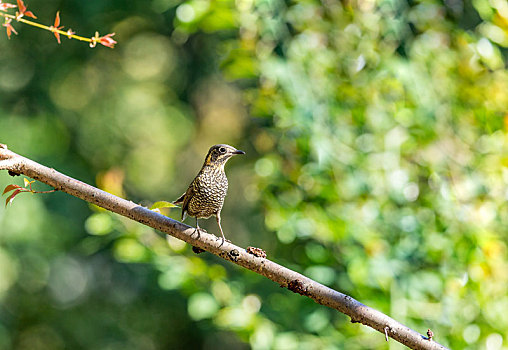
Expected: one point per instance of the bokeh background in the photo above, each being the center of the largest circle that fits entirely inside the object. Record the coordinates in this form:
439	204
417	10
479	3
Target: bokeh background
376	140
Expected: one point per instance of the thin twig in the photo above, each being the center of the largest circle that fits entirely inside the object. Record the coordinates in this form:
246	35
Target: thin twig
45	27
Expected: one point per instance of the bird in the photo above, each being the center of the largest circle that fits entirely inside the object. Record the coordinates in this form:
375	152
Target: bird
206	193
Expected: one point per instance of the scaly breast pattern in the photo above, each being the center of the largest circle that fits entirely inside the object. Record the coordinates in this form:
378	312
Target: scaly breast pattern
210	188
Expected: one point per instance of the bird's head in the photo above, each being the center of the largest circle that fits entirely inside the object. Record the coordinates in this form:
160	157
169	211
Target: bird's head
219	154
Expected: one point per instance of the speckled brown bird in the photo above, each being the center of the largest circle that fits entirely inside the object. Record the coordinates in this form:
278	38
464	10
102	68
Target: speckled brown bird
206	193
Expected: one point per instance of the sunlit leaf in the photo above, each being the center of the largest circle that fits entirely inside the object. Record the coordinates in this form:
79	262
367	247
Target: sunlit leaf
27	182
163	204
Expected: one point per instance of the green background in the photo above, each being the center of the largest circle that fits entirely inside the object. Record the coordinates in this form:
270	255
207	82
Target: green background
376	163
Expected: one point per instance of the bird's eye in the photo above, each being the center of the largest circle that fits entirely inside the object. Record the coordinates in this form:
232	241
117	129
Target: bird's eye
222	150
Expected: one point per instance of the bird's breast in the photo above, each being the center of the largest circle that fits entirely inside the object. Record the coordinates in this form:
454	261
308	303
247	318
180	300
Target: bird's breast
210	189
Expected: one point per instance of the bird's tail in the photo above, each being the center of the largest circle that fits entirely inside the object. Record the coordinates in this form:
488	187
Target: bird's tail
179	201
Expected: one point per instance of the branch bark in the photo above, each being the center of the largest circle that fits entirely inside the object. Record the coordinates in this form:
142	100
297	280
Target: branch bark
285	277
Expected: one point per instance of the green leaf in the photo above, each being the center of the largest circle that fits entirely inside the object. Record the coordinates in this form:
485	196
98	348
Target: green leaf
163	204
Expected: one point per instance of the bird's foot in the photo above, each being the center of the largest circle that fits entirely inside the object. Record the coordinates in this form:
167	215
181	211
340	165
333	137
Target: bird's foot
196	231
222	240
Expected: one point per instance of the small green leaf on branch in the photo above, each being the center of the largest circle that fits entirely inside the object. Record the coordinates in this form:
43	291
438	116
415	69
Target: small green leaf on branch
162	204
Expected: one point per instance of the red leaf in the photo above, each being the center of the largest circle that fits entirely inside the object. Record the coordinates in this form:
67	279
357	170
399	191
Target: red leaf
11	197
107	40
23	11
21	6
30	14
9	188
56	27
8	26
57	20
6	6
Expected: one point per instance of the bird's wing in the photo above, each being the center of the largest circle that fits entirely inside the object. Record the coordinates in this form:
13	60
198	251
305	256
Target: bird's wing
185	199
180	200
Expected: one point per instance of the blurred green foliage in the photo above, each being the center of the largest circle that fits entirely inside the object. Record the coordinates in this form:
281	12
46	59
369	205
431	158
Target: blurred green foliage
376	163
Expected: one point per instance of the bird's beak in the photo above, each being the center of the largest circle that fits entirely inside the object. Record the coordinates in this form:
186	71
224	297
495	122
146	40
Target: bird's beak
238	152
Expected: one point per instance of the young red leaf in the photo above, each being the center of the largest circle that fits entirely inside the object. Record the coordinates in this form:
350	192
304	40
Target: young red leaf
57	20
106	40
21	6
9	188
30	14
23	11
11	197
6	6
9	28
56	27
57	36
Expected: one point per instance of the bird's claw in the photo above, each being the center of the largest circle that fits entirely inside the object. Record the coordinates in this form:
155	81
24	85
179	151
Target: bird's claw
196	230
222	240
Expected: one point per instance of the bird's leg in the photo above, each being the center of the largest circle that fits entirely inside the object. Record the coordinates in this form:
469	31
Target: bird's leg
194	248
220	228
197	228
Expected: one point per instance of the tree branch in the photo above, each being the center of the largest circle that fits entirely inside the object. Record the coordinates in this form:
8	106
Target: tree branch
285	277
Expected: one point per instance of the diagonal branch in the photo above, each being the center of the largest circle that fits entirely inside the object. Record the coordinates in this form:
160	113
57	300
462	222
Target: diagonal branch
285	277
